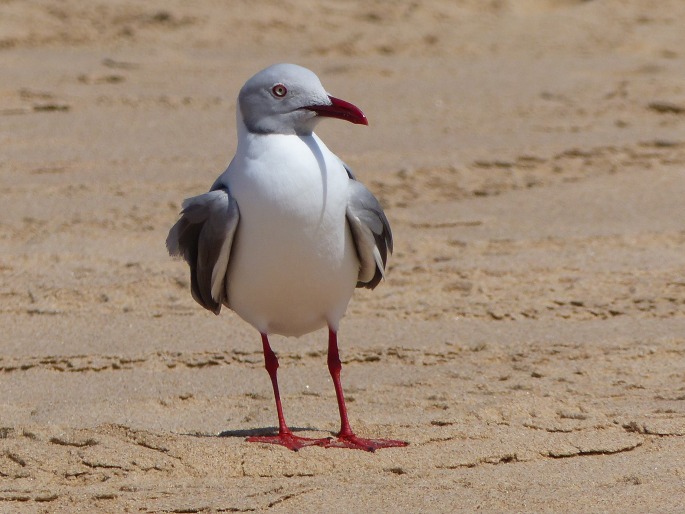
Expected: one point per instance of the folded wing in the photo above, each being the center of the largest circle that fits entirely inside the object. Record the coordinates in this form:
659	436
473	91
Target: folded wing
203	236
370	231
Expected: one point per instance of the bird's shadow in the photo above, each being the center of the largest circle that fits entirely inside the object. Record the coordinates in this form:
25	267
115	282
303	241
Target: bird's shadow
250	432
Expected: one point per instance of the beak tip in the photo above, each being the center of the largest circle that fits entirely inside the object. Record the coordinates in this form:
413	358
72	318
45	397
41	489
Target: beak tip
342	110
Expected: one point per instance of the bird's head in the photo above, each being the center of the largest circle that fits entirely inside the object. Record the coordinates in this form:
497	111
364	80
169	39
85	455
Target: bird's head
289	99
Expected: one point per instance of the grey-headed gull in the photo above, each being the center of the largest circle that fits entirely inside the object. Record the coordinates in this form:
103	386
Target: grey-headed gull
286	233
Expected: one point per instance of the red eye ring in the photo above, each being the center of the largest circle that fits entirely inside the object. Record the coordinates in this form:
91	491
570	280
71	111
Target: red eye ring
279	90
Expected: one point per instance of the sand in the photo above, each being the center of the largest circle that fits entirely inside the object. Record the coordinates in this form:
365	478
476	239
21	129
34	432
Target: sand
529	341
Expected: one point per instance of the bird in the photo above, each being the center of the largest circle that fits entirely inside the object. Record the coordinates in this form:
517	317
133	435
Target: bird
287	232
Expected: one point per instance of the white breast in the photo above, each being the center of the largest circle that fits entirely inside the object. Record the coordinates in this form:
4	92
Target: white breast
293	267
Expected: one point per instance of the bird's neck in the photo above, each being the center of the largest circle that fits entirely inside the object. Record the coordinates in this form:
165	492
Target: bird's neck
305	129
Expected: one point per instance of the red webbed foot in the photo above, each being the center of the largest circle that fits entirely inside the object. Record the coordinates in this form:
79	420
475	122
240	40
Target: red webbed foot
359	443
289	440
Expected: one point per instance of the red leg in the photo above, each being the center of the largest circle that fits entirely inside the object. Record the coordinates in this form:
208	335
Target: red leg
346	438
285	437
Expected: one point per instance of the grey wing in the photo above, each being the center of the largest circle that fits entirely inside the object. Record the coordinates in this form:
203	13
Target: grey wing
370	232
203	236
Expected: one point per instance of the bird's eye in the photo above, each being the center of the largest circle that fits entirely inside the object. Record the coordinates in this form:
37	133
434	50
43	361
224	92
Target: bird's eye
279	90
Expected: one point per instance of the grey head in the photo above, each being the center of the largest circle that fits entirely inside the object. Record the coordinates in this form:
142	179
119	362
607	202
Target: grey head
289	99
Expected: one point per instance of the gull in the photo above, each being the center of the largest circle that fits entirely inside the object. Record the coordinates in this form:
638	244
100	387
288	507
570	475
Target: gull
287	232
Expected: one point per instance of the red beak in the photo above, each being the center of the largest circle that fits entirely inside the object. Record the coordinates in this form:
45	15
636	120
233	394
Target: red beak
340	109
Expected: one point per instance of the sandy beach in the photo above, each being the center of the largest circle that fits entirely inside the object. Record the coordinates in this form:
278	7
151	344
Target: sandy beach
529	341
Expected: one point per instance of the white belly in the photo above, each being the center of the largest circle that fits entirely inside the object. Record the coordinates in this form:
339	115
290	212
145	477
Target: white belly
293	266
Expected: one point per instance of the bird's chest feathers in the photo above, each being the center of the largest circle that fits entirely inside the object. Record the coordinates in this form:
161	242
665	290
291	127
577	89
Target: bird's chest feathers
289	181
